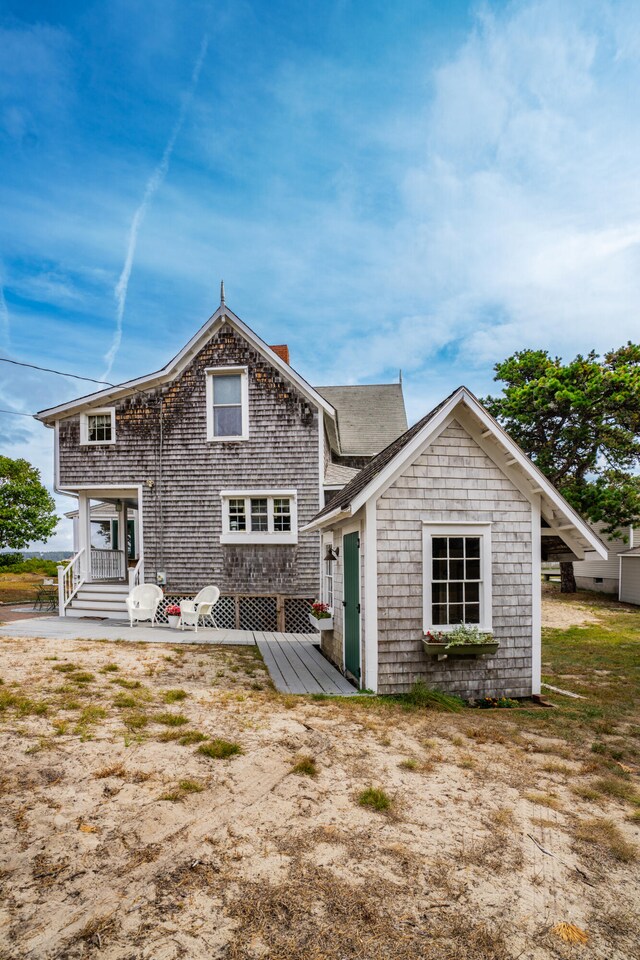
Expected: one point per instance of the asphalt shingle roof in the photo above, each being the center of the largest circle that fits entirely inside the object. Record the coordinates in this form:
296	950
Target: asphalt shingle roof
370	415
373	468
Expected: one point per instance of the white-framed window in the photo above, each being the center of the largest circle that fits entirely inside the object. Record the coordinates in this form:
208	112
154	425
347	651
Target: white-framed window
457	575
98	426
327	594
259	516
227	403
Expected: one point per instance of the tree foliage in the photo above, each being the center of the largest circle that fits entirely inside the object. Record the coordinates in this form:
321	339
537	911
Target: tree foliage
26	508
580	423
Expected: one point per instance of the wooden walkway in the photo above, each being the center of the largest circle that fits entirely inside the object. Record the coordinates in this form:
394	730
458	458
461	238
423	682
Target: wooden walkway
296	666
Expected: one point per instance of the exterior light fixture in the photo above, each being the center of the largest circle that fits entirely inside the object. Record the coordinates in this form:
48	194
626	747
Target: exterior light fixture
331	555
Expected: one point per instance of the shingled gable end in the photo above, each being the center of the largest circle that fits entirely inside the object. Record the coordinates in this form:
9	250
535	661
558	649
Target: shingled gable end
186	503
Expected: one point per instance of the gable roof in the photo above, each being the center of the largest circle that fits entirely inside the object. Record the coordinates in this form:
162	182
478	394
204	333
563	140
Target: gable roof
367	483
370	416
179	363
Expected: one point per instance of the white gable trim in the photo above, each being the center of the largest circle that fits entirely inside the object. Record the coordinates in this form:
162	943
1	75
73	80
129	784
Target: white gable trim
540	485
180	362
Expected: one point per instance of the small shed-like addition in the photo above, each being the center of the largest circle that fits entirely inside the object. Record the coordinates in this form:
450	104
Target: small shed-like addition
447	525
629	591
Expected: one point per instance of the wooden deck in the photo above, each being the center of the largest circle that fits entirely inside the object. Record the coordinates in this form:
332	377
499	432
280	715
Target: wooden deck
296	666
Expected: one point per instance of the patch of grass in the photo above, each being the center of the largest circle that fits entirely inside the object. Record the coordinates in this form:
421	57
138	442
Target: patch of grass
190	786
617	788
174	696
168	736
502	817
543	799
552	766
375	798
60	727
409	764
606	835
82	676
422	698
109	668
116	770
191	736
305	767
127	684
171	719
586	792
219	749
124	700
24	706
135	720
65	667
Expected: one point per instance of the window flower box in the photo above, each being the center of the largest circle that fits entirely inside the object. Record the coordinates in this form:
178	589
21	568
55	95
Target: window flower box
463	641
324	623
320	616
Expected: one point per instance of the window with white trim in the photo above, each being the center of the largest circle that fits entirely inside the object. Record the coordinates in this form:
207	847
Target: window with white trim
457	575
98	426
227	403
328	583
259	516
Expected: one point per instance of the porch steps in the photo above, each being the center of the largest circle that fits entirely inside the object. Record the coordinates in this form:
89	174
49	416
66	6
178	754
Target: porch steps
100	600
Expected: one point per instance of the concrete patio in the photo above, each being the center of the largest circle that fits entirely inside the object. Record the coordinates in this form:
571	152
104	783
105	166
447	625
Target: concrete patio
293	660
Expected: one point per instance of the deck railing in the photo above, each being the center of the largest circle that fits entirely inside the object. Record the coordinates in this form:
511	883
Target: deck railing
107	564
135	574
70	580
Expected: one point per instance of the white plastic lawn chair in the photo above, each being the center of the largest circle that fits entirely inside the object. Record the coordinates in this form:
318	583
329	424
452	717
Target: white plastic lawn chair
199	609
143	601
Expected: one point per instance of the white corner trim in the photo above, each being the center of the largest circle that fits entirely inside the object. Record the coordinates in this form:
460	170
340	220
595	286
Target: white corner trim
371	596
536	599
472	529
84	427
243	373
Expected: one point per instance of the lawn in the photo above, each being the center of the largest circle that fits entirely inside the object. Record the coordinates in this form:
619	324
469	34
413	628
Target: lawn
162	803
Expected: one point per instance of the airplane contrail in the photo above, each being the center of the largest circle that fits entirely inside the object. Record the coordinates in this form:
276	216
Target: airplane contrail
153	183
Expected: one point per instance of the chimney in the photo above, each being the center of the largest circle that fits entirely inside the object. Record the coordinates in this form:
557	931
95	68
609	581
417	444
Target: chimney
282	350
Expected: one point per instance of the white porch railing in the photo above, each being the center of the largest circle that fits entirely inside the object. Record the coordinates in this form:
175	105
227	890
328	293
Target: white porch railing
136	574
107	564
70	580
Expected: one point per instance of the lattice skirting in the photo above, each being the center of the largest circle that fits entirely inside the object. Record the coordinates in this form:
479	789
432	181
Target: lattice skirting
271	614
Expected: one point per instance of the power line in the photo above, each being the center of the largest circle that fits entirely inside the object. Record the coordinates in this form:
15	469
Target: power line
17	413
33	366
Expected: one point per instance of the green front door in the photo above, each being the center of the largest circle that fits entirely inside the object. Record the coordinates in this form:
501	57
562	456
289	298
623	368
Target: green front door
351	603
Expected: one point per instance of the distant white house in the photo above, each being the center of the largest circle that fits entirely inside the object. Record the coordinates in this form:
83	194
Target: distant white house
594	573
629	590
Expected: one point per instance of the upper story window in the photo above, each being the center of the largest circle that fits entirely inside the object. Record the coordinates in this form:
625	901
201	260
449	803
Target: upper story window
457	575
227	403
259	516
98	426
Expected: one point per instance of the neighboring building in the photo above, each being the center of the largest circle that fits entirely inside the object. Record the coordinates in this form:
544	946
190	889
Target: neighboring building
594	573
207	470
629	590
448	524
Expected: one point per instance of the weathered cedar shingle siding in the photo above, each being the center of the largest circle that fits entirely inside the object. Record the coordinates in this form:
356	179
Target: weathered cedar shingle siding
282	452
452	481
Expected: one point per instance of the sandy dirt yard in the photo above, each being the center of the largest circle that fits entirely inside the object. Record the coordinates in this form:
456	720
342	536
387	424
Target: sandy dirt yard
161	802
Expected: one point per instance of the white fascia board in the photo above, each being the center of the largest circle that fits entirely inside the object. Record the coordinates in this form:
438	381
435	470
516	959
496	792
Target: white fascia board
177	364
328	519
437	423
535	474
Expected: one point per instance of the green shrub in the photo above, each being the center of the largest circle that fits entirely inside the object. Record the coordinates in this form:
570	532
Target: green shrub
10	559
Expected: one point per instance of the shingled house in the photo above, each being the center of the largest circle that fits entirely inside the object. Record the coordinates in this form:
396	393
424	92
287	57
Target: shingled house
447	525
206	472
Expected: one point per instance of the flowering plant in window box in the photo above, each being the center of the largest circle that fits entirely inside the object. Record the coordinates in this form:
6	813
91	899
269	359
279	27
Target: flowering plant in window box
320	616
465	640
173	615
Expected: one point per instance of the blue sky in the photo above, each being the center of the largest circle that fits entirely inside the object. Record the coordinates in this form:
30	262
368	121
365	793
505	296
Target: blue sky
417	185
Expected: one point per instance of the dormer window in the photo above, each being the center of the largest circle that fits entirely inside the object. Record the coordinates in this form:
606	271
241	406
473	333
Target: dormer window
227	403
98	427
